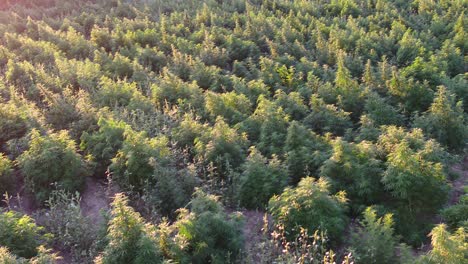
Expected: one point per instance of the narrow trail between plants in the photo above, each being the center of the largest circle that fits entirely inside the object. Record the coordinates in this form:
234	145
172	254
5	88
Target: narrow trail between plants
94	199
460	183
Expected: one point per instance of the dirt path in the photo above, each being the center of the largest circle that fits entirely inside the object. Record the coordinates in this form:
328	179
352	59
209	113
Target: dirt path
94	199
252	231
461	182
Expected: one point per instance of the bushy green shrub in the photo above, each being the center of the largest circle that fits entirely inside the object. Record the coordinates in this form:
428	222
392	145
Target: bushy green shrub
52	160
305	152
419	187
206	233
172	189
268	126
120	67
12	123
447	248
411	95
20	234
187	131
71	229
374	241
133	165
45	256
410	47
292	103
121	94
327	118
381	112
21	75
7	179
445	121
457	214
172	90
419	183
221	145
355	169
260	180
103	144
231	106
429	149
310	206
130	239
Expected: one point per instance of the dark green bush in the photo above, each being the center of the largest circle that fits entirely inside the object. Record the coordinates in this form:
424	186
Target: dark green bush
172	189
268	124
445	121
260	180
103	144
133	165
327	118
457	214
207	234
419	187
374	241
20	234
355	169
52	162
221	145
71	229
7	179
130	239
231	106
310	206
305	152
12	123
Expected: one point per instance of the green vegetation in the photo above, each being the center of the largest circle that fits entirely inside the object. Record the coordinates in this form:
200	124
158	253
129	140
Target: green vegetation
7	179
130	240
341	120
260	180
373	241
446	247
310	206
52	162
207	234
20	234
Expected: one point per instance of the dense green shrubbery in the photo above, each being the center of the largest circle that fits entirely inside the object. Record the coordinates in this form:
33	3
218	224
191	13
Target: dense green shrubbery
52	162
7	179
374	241
222	146
418	186
355	169
45	256
446	247
71	230
305	152
167	96
130	239
445	121
12	123
327	118
208	235
260	180
310	205
134	163
170	189
457	214
20	234
103	144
